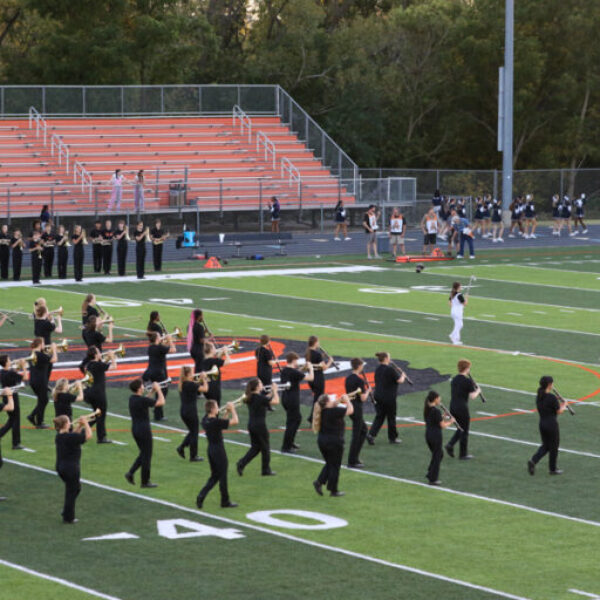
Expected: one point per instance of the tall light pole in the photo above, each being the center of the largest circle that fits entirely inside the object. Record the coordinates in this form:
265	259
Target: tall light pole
505	108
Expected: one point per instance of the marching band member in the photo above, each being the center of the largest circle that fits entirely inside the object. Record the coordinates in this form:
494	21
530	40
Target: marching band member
35	250
290	399
315	356
434	424
257	403
89	309
457	306
328	422
17	244
141	430
92	334
462	389
154	324
212	359
158	236
196	333
62	242
95	395
355	382
548	407
9	378
39	374
48	243
265	360
78	240
43	324
107	246
68	456
4	251
157	366
63	398
140	249
96	237
189	389
6	405
213	427
387	379
122	237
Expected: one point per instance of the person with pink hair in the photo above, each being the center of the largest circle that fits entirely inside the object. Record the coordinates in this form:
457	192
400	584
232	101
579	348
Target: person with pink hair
195	338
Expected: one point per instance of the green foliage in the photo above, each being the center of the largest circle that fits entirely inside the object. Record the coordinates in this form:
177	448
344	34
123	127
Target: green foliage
409	83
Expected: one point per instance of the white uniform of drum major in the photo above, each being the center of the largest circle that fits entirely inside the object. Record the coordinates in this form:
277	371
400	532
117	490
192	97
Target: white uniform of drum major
457	307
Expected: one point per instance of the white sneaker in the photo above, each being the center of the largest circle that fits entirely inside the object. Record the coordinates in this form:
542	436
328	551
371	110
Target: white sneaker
459	256
584	231
337	239
451	338
457	343
573	234
347	238
472	257
511	235
533	236
525	236
500	239
495	241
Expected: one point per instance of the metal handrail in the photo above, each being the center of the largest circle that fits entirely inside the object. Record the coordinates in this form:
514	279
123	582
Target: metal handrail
244	119
62	150
269	146
287	166
84	176
40	122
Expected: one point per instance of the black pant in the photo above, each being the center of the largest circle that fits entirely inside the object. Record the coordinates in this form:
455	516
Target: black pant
318	388
463	418
359	434
78	262
70	474
434	441
40	388
385	409
48	257
191	439
121	256
217	459
140	258
157	252
550	442
98	402
332	449
4	257
97	257
143	438
13	423
292	421
259	444
107	252
36	267
17	257
63	257
159	414
198	357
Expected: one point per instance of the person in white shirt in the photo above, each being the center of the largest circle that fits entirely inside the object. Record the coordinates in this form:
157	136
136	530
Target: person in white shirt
579	212
397	231
429	226
116	181
457	307
139	191
370	226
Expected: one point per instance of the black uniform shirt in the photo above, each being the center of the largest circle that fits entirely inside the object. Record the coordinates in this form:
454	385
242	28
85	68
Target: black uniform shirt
433	418
214	386
93	338
138	409
10	378
98	369
92	311
460	388
257	409
157	358
264	371
548	407
198	333
332	421
43	328
68	447
39	371
213	428
95	233
294	376
386	383
189	396
108	234
62	404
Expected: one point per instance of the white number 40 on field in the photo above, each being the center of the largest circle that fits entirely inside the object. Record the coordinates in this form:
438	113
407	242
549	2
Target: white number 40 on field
170	529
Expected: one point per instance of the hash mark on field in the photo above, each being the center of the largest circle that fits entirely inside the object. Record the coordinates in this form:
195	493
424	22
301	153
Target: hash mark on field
490	316
586	594
130	335
120	443
522	410
376	322
514	314
404	320
563	310
286	327
486	414
161	439
432	318
347	323
29	450
540	312
255	328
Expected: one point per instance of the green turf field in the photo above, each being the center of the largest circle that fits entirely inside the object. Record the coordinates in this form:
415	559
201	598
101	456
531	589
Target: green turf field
490	531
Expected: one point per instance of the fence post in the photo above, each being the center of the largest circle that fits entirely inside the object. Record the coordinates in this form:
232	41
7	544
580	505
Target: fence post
197	219
322	218
495	191
306	129
185	185
261	216
437	180
221	200
300	204
339	188
8	205
562	183
157	181
52	200
96	194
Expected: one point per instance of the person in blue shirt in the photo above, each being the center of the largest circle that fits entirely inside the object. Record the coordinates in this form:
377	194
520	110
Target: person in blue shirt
465	234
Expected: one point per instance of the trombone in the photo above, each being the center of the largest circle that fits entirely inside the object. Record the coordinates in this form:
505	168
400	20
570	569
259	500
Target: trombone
14	388
120	352
176	333
208	331
558	394
236	402
232	347
58	311
401	372
148	385
281	387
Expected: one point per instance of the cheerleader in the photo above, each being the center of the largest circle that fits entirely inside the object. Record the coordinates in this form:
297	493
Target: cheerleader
257	402
434	425
556	213
530	218
212	358
487	208
315	356
457	306
579	204
329	425
189	389
497	224
341	224
38	380
548	407
195	338
515	217
566	212
479	217
157	371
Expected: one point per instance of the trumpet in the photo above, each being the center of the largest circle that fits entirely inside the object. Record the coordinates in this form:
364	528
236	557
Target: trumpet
558	394
84	238
213	373
176	333
32	358
280	387
91	416
449	415
120	352
87	380
7	318
14	388
58	311
62	347
401	372
353	394
126	236
148	385
236	402
147	234
197	377
480	392
233	347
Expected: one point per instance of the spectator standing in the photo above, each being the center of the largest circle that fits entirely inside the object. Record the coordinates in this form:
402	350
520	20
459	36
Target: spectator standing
117	181
341	222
